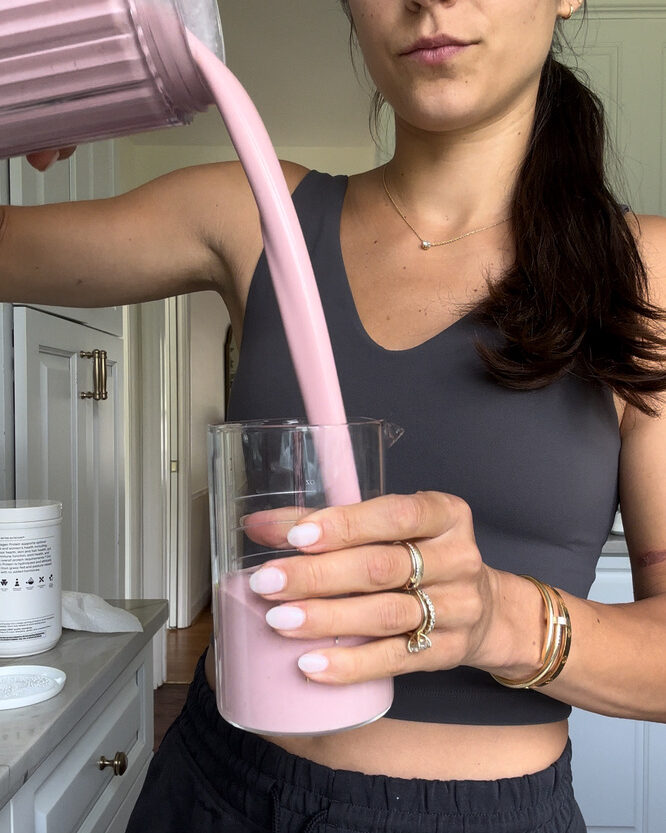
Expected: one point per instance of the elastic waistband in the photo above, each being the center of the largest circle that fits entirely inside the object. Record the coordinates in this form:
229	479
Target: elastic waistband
227	754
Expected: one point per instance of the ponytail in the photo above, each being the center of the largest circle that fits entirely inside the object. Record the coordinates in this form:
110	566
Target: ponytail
575	299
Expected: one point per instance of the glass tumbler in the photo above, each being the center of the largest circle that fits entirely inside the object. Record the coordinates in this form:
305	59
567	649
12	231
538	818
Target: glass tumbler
264	477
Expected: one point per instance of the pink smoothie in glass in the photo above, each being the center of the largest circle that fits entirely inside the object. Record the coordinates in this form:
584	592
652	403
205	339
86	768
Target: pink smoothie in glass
259	684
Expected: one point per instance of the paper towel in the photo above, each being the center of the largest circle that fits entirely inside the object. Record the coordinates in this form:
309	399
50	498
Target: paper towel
86	612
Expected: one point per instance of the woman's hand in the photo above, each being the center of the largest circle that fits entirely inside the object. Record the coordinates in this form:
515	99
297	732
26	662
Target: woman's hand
43	159
357	557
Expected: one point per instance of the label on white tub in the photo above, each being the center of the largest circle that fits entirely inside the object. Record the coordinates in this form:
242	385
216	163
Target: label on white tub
30	599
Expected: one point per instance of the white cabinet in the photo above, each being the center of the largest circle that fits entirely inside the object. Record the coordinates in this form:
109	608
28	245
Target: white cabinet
69	792
71	449
52	751
57	445
619	765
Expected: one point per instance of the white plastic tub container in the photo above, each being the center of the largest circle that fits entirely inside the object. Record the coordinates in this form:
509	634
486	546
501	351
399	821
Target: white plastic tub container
30	579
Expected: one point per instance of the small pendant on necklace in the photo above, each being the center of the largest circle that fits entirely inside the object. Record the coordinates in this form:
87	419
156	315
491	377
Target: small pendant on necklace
425	245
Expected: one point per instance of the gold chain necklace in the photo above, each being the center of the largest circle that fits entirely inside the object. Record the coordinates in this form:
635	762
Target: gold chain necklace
426	244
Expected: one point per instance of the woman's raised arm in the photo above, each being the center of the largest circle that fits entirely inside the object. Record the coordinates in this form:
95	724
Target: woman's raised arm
189	230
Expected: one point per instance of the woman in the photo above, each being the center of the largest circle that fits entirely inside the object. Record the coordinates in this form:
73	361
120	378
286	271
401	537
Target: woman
486	292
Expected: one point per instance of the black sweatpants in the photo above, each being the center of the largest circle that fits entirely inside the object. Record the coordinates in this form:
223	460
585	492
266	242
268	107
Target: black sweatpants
209	777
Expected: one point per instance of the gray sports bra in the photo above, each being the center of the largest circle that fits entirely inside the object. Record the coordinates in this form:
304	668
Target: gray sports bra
538	468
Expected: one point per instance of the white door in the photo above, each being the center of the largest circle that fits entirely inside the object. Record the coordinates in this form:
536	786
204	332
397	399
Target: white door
6	377
71	449
622	50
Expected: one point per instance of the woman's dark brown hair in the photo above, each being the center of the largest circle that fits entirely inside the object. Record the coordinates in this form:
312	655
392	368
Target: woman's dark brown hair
576	298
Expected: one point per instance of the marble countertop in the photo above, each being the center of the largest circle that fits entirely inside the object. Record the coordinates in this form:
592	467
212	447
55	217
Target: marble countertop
91	661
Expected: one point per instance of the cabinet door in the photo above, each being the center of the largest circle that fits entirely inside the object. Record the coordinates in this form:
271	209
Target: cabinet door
618	764
89	174
6	819
71	449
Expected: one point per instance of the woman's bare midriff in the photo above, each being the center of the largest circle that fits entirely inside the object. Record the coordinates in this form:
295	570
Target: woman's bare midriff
410	749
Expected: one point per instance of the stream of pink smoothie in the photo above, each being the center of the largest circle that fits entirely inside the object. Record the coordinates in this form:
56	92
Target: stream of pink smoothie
291	271
259	684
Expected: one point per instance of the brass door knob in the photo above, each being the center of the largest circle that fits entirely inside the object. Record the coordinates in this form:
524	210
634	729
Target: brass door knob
119	763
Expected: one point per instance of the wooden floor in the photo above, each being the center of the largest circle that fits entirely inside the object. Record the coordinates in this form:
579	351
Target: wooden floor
184	647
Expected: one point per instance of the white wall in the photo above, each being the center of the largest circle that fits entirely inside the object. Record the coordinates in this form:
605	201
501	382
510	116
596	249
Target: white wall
209	322
139	162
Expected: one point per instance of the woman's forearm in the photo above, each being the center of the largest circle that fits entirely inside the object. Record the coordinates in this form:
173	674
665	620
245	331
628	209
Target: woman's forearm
617	662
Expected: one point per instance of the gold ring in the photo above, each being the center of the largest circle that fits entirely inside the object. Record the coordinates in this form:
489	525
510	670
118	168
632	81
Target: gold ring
417	640
416	576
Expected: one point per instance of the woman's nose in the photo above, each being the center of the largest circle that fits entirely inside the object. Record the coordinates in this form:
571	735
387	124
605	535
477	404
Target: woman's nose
419	5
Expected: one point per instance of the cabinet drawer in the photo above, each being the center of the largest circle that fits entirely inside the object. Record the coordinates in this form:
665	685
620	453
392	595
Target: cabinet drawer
68	792
67	795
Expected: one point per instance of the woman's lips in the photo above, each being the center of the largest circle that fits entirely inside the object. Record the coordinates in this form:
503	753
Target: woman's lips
432	51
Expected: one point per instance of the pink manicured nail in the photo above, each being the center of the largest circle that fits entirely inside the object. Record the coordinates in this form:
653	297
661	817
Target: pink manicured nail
268	580
304	535
285	618
311	663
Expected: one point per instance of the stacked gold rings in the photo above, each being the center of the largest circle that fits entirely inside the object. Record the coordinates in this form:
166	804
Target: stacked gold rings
417	640
416	576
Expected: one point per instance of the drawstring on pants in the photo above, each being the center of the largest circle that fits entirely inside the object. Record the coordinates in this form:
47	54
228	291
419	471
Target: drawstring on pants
310	824
276	808
314	821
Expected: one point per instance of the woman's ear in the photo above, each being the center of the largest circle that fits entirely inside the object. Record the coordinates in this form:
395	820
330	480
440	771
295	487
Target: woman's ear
567	9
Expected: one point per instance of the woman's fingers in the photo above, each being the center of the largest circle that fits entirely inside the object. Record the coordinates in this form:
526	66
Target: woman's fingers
386	518
42	160
381	658
376	615
379	615
343	555
366	569
270	527
344	585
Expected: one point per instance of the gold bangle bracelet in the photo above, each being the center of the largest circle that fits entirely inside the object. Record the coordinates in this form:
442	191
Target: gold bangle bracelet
566	638
556	644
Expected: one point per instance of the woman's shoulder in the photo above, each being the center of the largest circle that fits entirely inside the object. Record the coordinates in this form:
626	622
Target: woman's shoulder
650	229
294	173
650	233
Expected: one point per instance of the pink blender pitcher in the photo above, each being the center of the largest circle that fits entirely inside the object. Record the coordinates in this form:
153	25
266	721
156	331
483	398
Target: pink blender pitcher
77	70
80	70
